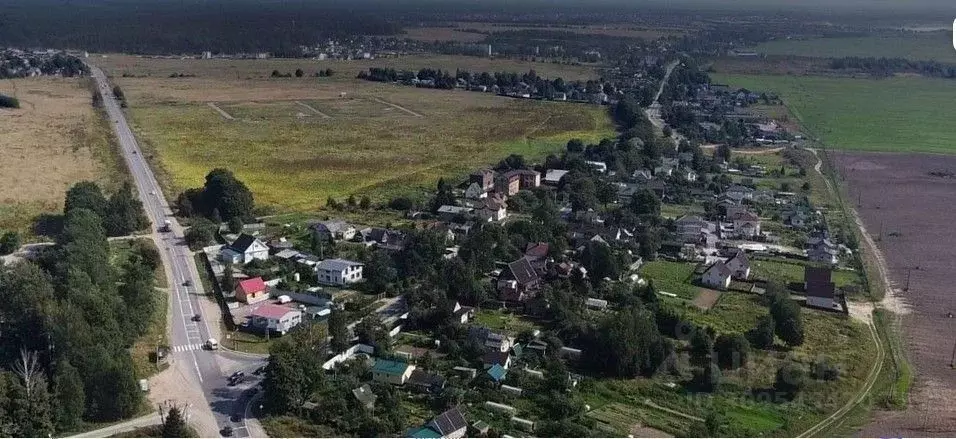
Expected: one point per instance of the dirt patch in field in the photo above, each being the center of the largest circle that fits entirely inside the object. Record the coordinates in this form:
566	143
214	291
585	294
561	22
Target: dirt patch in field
706	299
909	212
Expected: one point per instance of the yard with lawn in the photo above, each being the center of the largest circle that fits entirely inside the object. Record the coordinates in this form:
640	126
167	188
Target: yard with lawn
899	114
502	320
793	272
671	277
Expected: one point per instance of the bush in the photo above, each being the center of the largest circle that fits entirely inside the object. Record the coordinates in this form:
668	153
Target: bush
790	379
9	243
401	203
9	102
707	378
732	351
822	369
200	234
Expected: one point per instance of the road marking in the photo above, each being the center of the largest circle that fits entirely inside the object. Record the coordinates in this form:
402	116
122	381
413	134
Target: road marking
324	116
397	107
189	347
222	112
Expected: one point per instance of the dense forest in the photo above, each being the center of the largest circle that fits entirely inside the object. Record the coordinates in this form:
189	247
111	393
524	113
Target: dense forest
182	26
69	319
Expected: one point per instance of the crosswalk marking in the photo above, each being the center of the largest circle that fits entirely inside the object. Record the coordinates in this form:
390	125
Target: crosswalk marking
189	347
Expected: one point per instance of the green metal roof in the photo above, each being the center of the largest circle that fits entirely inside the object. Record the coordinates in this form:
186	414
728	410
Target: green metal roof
389	367
422	432
497	372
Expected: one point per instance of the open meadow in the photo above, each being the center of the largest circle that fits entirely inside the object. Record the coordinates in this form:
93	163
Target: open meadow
297	141
922	46
53	140
901	114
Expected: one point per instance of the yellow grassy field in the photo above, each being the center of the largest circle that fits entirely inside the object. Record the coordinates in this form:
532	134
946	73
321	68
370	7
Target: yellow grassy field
54	140
379	139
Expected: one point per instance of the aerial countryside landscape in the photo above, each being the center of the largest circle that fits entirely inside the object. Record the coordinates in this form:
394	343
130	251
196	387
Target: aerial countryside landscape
477	218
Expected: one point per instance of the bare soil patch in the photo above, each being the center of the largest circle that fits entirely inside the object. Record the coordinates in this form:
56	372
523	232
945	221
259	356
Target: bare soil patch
706	299
908	213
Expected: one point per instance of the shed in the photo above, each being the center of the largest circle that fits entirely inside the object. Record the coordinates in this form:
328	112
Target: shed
499	407
511	389
524	424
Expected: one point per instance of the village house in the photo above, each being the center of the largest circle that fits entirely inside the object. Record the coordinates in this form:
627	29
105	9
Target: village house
425	382
554	176
462	314
527	178
821	249
485	178
275	318
596	304
508	185
746	224
717	276
251	291
493	209
333	230
386	239
496	357
450	213
687	175
475	192
245	249
365	396
819	288
600	167
642	176
518	281
490	340
339	272
824	254
391	372
448	425
739	265
739	193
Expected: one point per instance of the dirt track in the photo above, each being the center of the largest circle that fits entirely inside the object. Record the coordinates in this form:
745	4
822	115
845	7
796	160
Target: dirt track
909	212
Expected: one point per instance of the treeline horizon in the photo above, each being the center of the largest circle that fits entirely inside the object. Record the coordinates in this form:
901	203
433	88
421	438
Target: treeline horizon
280	26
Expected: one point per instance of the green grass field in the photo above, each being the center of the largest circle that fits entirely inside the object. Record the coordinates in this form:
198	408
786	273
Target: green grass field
915	46
294	162
672	277
901	114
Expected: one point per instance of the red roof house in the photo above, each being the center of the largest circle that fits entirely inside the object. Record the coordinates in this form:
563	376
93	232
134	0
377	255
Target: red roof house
251	290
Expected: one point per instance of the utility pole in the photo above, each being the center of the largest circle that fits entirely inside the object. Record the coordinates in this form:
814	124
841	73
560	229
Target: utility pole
952	362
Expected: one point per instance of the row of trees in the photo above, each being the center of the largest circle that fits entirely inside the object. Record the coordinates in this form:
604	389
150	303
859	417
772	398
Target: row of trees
321	73
885	67
70	318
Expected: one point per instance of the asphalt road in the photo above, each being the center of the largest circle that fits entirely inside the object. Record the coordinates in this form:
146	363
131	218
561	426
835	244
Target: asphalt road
189	329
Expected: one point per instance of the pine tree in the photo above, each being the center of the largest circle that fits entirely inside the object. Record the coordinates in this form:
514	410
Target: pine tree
174	424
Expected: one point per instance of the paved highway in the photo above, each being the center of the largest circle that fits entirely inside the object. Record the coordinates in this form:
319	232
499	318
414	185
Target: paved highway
189	329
